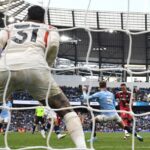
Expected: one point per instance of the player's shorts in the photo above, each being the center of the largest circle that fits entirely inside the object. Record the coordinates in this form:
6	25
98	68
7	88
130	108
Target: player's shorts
39	120
4	119
124	115
36	81
104	118
58	121
51	114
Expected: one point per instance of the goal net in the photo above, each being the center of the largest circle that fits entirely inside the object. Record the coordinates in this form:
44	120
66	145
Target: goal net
89	31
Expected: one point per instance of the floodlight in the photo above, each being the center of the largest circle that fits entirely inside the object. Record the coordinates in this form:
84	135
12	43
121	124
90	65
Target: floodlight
64	38
11	19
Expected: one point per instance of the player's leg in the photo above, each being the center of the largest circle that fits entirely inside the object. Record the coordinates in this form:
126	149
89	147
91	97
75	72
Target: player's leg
1	127
39	80
4	127
35	122
1	124
42	127
129	129
6	120
99	118
125	121
128	122
48	126
94	135
57	129
72	120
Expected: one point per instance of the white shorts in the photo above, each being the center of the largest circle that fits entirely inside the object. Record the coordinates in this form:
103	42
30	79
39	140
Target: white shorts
50	114
36	81
5	120
114	117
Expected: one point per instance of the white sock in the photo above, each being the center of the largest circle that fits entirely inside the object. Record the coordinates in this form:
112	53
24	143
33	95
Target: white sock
138	136
126	132
75	130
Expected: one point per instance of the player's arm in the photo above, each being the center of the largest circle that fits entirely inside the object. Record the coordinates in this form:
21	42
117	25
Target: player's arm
53	47
86	96
3	39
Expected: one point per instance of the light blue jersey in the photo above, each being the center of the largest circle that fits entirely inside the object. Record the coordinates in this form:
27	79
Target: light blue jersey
5	113
106	100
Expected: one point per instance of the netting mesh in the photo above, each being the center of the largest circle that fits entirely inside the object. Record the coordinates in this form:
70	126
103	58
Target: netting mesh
89	69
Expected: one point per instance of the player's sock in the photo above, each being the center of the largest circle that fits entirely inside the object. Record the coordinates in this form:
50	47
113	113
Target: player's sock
126	133
57	129
135	134
139	138
1	125
129	130
43	133
33	129
91	125
4	127
75	130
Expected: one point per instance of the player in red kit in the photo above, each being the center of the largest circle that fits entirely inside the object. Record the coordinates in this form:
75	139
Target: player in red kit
124	97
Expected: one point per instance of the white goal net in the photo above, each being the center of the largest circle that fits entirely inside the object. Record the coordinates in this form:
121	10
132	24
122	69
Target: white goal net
85	27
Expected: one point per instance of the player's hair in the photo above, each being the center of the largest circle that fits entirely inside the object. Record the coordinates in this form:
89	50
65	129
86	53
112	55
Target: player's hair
123	84
36	13
102	84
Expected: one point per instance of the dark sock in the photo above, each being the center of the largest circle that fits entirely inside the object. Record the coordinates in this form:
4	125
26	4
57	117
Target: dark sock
4	127
57	129
129	130
33	129
91	125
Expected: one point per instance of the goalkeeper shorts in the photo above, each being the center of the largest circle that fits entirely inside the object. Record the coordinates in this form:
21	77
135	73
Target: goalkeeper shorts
35	81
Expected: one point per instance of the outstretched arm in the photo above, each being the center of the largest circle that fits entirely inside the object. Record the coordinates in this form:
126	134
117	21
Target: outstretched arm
85	95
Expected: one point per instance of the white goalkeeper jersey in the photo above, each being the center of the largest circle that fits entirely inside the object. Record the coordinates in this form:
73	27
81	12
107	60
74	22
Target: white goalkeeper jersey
23	45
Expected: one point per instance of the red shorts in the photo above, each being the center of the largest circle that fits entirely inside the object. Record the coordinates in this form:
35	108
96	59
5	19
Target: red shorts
126	116
58	121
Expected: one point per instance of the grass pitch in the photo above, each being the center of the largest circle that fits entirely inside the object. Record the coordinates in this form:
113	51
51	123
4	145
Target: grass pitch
105	141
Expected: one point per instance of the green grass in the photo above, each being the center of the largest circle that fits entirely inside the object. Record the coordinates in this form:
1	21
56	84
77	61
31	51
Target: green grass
106	141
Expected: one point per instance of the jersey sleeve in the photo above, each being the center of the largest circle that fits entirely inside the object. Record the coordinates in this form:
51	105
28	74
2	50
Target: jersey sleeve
52	46
95	95
3	38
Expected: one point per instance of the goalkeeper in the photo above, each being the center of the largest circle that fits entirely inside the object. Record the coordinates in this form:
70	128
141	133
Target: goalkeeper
30	49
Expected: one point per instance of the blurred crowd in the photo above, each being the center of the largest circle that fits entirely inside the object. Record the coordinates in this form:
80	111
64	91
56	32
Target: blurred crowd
75	93
23	119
